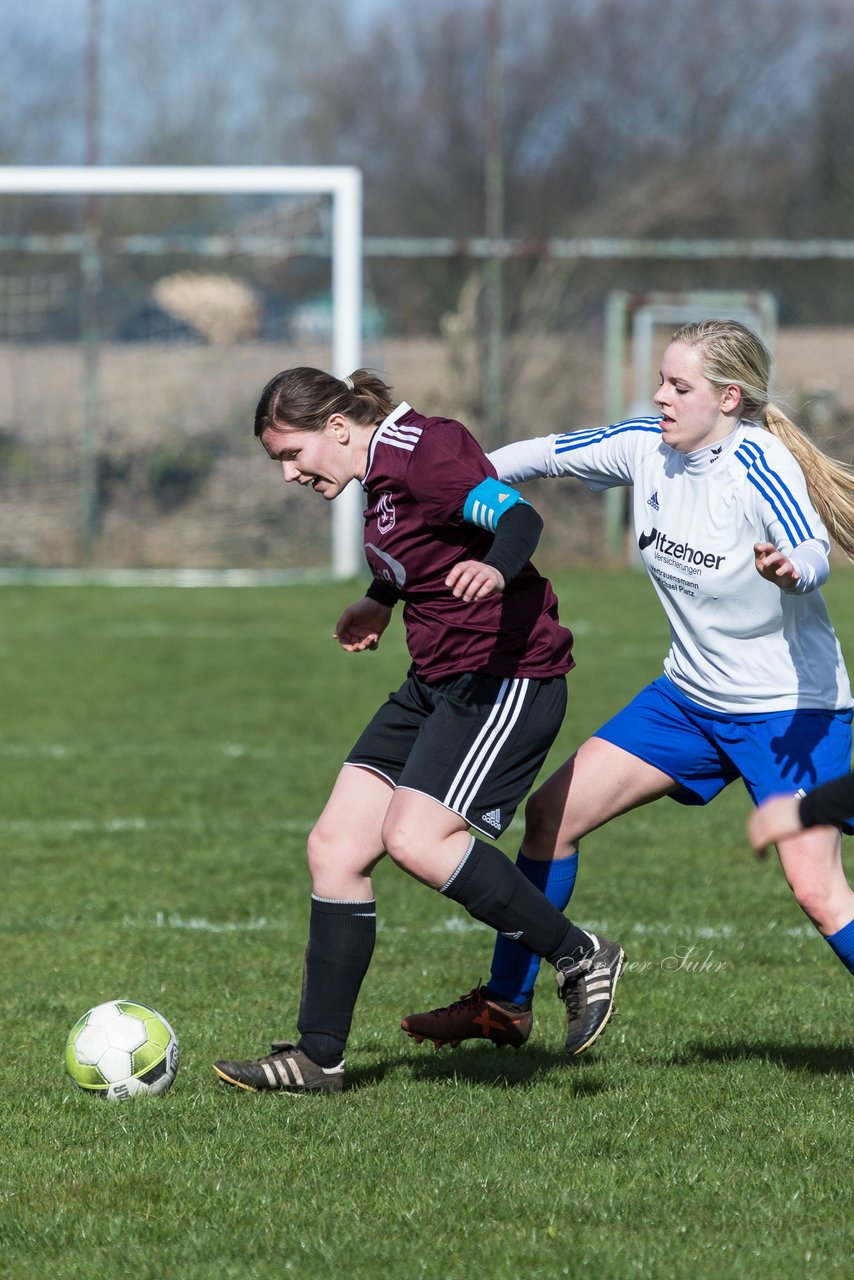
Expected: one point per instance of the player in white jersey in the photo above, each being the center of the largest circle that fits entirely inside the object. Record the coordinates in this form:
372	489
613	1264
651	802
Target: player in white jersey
731	507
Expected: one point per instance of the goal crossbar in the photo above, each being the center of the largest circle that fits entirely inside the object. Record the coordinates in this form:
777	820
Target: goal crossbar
342	183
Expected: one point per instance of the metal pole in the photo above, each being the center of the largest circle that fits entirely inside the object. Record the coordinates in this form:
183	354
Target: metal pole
348	559
494	201
615	355
91	270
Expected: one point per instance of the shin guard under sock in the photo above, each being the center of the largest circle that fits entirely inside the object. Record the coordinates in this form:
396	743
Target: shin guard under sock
842	945
496	892
514	967
340	945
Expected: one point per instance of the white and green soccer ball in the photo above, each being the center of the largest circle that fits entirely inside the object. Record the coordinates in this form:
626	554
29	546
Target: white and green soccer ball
121	1049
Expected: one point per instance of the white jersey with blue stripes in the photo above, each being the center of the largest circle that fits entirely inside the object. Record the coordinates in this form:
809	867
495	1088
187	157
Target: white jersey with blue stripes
738	643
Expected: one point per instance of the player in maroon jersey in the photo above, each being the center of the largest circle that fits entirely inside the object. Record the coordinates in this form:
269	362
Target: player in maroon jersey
457	747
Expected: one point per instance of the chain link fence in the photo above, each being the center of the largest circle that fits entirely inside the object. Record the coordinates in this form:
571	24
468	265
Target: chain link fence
125	416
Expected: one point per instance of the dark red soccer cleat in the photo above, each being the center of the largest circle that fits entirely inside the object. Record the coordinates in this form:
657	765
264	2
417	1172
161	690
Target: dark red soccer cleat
476	1016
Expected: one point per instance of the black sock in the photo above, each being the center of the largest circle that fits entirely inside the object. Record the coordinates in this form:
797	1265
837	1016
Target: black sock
495	891
340	945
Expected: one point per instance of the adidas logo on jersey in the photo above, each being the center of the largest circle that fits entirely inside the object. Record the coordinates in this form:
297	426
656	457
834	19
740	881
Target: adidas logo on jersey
653	501
493	818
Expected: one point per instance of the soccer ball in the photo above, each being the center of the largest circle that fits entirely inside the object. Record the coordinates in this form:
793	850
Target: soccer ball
121	1049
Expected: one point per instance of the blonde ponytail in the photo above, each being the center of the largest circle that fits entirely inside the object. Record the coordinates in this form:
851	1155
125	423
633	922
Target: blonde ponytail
830	482
733	354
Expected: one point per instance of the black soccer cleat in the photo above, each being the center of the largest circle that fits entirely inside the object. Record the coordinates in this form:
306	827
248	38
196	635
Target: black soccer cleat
286	1069
586	988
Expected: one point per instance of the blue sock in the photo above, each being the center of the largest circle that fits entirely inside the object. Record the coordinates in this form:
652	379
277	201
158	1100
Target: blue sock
842	944
514	967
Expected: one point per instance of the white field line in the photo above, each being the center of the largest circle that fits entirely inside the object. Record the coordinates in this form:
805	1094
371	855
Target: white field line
452	925
10	577
462	924
301	826
94	826
89	826
66	751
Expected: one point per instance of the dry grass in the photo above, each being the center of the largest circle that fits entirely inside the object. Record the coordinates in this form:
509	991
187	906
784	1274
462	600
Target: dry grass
181	414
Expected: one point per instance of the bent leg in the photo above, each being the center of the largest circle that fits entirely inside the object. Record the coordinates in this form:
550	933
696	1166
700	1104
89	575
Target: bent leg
424	838
514	968
593	786
596	784
345	843
812	865
433	844
343	847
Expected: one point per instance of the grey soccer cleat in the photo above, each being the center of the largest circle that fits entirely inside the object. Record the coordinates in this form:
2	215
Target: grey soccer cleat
287	1069
586	988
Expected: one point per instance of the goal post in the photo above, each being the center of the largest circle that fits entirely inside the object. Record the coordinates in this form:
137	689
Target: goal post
342	183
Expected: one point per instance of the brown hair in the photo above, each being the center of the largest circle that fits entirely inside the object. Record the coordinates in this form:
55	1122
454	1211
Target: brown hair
303	398
734	355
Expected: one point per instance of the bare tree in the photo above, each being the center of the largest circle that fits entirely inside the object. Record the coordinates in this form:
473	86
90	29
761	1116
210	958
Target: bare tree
649	118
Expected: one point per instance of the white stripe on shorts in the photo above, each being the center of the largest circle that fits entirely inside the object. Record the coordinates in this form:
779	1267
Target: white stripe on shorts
502	720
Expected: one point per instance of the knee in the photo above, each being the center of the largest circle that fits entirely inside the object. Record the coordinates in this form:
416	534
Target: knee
814	894
319	852
339	868
812	864
816	902
417	850
400	843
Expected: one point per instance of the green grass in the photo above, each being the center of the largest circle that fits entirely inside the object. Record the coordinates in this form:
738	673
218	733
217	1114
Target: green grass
163	755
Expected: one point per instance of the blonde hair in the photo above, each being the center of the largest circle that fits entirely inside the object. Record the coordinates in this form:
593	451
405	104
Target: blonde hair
303	399
734	355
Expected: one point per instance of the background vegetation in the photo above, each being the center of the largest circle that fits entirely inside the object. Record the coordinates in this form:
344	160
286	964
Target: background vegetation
630	118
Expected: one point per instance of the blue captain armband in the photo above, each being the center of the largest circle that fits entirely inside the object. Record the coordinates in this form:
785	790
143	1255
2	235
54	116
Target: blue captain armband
488	501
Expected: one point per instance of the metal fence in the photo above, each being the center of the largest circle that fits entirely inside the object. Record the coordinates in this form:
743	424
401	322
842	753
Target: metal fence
156	469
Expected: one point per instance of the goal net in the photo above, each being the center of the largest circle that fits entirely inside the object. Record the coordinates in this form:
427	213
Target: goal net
141	312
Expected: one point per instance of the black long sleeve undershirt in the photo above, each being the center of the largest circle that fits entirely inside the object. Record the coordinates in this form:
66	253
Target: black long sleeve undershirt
516	537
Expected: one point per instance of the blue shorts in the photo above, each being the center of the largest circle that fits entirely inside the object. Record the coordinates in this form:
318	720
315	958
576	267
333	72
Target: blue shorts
704	751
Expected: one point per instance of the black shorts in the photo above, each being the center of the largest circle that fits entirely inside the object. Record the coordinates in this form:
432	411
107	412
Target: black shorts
473	742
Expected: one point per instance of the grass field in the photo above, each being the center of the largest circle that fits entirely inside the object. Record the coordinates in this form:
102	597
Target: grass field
163	756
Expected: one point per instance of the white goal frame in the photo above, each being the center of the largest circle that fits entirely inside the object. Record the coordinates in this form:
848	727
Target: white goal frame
342	183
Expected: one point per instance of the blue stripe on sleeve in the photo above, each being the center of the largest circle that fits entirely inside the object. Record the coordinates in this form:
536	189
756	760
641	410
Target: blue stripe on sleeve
488	501
775	490
580	439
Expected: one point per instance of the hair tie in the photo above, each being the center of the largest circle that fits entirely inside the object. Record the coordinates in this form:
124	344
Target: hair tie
349	384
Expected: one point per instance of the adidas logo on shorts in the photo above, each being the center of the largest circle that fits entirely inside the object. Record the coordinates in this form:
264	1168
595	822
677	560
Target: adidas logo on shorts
493	818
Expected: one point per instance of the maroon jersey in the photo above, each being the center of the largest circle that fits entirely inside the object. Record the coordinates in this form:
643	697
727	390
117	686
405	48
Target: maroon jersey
419	474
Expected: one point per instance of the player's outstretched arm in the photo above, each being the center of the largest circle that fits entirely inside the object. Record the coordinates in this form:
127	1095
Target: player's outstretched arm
829	805
774	820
